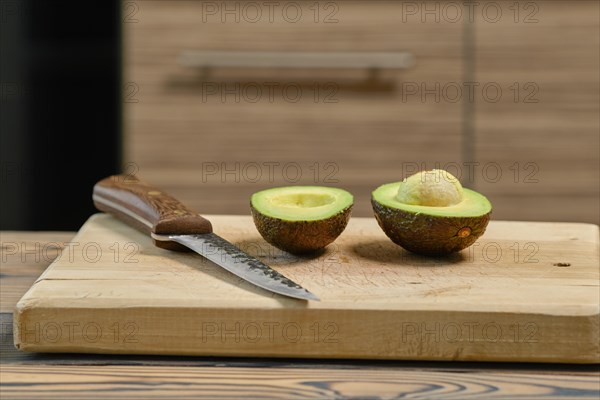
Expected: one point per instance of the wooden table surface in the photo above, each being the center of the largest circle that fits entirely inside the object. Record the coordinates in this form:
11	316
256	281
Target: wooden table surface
24	255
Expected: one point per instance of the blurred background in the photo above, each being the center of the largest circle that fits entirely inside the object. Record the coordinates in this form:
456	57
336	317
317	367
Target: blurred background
213	101
60	109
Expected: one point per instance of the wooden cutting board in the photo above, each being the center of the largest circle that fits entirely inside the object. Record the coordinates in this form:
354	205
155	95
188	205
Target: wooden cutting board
525	292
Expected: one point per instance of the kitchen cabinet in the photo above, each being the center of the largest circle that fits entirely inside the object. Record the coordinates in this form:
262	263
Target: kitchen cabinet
213	136
544	130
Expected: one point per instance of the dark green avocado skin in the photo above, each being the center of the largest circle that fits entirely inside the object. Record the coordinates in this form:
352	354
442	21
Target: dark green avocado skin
301	237
428	235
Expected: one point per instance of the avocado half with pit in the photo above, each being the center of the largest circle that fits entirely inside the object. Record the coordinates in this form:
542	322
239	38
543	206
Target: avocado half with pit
301	219
430	213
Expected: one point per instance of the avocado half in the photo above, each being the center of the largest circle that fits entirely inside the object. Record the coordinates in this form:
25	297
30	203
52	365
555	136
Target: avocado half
301	219
430	213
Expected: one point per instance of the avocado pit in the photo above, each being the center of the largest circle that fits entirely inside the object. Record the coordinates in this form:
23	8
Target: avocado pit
435	188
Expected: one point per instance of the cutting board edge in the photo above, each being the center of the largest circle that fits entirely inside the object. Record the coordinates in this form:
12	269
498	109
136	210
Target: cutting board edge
30	300
415	333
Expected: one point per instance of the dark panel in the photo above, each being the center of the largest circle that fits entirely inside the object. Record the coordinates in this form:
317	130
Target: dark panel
69	122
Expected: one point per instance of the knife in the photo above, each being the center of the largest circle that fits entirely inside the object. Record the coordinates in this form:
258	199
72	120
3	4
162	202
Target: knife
173	226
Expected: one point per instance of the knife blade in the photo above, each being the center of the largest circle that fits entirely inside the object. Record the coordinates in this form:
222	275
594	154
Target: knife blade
173	226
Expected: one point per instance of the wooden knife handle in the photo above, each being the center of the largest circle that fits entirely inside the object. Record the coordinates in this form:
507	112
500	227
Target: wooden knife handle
148	209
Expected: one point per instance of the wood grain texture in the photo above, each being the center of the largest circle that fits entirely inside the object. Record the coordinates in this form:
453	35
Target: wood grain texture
543	131
148	209
27	375
282	383
527	292
189	142
25	255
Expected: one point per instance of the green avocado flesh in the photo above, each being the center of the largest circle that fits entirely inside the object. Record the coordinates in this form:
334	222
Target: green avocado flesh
431	230
301	219
473	204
